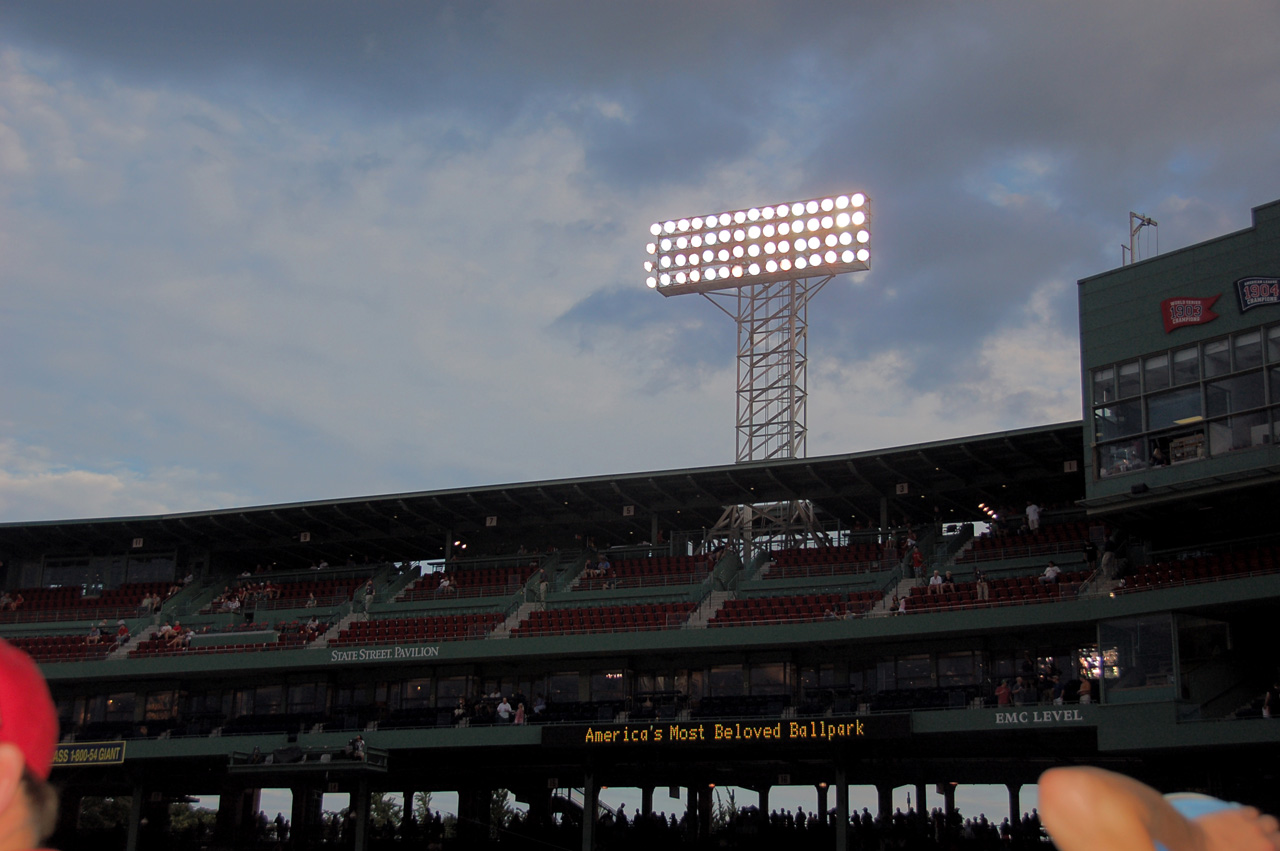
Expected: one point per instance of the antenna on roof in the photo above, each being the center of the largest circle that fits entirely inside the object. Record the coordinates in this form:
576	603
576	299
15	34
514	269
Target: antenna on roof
1137	222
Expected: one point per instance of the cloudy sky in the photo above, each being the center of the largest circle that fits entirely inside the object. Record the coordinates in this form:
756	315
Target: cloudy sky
256	252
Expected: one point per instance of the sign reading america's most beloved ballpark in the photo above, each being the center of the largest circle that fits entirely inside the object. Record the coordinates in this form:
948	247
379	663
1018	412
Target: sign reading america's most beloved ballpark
677	734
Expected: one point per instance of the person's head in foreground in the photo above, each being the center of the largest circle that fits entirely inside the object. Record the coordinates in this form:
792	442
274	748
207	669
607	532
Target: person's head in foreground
1088	809
28	739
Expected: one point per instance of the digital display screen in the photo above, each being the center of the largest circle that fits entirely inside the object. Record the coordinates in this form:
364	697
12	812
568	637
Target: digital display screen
677	734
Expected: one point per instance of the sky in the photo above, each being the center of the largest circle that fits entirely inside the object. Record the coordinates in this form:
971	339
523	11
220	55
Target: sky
261	252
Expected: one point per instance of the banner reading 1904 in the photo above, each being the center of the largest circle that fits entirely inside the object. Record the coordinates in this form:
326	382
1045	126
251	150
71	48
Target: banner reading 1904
677	734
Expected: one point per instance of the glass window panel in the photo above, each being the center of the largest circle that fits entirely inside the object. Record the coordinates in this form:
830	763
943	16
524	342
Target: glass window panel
1217	358
823	676
1118	420
307	697
1137	657
769	678
1121	457
160	705
725	681
449	689
120	706
607	685
1230	395
1273	344
1186	365
959	669
1104	385
1186	447
1167	409
1243	431
1248	350
563	687
914	671
1130	383
1156	373
269	700
416	694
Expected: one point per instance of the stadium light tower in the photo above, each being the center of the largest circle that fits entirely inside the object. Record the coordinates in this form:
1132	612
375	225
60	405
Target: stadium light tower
761	266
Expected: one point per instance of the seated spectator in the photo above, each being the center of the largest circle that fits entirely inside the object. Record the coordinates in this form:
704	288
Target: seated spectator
355	748
935	583
95	635
948	584
122	633
539	705
1050	575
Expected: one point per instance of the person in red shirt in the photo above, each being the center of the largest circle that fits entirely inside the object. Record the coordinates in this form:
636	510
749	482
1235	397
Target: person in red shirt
28	739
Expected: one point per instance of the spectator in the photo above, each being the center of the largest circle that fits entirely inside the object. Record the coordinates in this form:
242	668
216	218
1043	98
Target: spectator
1271	702
984	588
948	583
28	811
1033	516
1050	575
311	600
95	635
1004	694
935	583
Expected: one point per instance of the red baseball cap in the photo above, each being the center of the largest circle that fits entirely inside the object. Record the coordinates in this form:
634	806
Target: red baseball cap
28	718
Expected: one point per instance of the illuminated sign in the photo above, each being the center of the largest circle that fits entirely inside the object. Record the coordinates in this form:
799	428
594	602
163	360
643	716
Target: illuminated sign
382	654
89	753
676	734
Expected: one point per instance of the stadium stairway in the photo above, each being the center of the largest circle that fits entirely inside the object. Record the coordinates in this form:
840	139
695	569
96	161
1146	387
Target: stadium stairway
334	631
503	630
711	604
885	606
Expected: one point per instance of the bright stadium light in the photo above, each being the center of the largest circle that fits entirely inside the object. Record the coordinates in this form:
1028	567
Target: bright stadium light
792	233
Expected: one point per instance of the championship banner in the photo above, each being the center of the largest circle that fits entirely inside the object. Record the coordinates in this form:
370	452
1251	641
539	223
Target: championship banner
1255	292
1179	312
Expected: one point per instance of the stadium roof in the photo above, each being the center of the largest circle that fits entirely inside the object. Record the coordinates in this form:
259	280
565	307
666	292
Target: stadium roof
945	479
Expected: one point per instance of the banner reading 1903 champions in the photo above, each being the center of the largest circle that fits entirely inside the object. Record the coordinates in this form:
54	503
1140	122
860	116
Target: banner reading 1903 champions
688	734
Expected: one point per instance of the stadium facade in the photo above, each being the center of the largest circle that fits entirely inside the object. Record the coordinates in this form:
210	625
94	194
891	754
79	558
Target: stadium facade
634	648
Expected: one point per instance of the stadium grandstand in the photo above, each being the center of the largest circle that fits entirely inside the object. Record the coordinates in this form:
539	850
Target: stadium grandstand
1105	594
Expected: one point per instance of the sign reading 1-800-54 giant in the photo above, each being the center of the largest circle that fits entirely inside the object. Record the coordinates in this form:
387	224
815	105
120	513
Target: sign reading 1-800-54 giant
676	734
